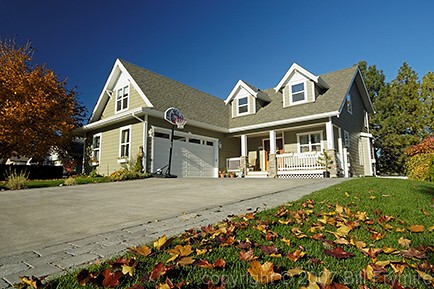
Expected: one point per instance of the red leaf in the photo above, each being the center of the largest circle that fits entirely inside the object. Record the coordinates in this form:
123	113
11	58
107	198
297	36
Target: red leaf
247	256
111	279
203	264
158	271
220	263
269	249
338	253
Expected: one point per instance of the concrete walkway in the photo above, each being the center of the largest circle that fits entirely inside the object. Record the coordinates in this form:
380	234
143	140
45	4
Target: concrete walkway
48	231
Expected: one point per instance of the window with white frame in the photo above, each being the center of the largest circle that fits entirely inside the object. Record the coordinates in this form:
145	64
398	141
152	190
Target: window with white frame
349	104
309	142
124	143
346	139
96	147
243	105
122	98
298	93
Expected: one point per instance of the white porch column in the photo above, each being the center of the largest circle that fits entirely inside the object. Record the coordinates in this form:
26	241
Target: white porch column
272	142
243	145
330	136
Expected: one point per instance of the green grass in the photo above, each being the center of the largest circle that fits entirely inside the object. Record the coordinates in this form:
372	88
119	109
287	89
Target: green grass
408	202
31	184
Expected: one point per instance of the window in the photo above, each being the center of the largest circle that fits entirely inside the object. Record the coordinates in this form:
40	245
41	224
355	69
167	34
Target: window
243	105
346	139
297	92
96	147
124	149
122	98
310	142
349	104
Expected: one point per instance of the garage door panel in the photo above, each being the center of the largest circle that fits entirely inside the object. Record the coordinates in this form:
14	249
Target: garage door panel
189	159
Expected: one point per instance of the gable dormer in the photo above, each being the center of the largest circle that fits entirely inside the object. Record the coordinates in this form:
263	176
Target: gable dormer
244	98
299	86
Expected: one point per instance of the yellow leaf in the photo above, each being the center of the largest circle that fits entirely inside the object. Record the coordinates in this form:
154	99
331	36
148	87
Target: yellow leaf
295	272
404	242
263	273
285	222
162	242
346	194
431	229
163	286
186	261
416	228
127	270
183	251
339	209
426	277
201	252
398	268
388	250
173	258
343	231
358	244
372	197
325	278
286	241
382	263
261	228
400	230
369	272
140	250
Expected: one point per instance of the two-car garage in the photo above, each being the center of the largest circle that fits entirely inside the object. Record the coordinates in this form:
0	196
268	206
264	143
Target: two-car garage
193	155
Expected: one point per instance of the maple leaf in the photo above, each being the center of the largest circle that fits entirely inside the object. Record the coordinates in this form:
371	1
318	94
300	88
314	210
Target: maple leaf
295	271
163	242
185	261
416	228
225	240
374	273
263	273
111	279
404	242
203	264
158	271
140	250
201	252
179	251
33	282
247	256
296	255
128	270
371	252
219	263
338	253
377	236
413	253
398	268
269	249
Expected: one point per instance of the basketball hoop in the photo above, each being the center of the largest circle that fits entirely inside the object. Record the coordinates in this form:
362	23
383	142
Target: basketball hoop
180	123
175	117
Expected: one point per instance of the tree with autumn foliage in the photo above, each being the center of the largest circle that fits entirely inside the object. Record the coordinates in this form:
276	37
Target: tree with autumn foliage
420	165
37	111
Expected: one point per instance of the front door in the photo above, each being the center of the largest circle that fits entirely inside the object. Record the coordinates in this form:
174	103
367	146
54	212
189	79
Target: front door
279	147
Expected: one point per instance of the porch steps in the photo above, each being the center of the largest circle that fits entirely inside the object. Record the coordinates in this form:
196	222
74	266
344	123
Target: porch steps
257	175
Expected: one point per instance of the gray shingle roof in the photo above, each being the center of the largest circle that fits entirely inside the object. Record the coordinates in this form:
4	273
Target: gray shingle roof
164	92
330	101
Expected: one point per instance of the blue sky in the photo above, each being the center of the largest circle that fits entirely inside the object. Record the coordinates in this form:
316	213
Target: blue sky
209	45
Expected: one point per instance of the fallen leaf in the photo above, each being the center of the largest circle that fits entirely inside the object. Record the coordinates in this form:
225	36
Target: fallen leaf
295	272
298	233
219	263
338	253
201	252
33	282
127	270
296	255
425	213
208	284
377	236
140	250
269	249
371	252
203	264
136	286
163	242
389	250
185	261
426	277
416	228
158	271
247	256
111	279
263	273
341	241
339	209
83	277
431	229
413	253
404	242
398	268
286	241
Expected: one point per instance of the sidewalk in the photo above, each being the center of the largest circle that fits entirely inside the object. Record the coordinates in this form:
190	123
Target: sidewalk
198	203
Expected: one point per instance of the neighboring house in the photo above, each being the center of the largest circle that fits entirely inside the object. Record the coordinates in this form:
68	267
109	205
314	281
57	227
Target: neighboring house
277	132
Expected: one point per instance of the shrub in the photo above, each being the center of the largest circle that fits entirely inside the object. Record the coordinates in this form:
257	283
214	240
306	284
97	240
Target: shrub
94	174
16	181
70	181
419	165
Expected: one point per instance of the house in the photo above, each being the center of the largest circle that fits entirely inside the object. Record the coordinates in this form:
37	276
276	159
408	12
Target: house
277	132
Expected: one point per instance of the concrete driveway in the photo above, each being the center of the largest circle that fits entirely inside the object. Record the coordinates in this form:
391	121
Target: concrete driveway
42	217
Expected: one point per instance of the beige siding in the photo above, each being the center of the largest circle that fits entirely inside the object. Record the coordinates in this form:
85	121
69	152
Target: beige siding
309	89
354	124
251	104
291	141
135	101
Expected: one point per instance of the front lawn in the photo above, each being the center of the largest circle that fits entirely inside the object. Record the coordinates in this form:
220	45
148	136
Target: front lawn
31	184
364	233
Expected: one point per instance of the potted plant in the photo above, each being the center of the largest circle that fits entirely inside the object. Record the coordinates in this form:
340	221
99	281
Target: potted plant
94	162
232	175
222	174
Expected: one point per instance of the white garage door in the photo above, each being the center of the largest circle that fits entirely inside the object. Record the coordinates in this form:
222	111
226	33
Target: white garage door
193	155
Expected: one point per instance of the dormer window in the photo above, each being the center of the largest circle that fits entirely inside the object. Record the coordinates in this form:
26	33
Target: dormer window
243	105
122	98
298	93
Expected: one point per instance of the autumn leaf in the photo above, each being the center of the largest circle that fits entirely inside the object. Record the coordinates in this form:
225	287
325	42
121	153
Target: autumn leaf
247	256
416	228
295	272
84	276
200	252
286	241
338	253
426	277
140	250
398	268
128	270
377	236
296	255
425	213
33	281
389	250
111	279
263	273
269	249
374	273
158	271
339	209
404	242
413	253
298	233
371	252
203	264
163	242
185	261
219	263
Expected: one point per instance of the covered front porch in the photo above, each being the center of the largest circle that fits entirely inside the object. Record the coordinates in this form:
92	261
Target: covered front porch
292	152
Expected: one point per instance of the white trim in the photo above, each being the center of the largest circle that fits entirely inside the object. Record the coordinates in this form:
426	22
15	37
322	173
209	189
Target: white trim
320	132
100	145
127	127
284	121
290	85
296	67
340	146
240	84
237	100
117	70
273	141
122	87
330	135
145	144
187	135
365	134
244	145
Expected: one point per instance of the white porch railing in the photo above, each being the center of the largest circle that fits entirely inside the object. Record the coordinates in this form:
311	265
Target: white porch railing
304	161
233	164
